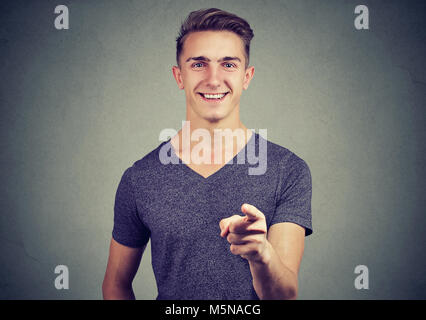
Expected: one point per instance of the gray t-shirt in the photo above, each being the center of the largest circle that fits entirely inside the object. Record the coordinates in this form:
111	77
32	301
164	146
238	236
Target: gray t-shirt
180	210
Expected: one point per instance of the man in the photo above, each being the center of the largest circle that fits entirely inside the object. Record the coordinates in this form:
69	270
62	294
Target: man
216	231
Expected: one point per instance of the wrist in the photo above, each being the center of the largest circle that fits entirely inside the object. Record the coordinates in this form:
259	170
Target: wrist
264	257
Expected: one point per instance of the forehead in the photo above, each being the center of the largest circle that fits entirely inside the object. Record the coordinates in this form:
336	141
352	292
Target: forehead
213	44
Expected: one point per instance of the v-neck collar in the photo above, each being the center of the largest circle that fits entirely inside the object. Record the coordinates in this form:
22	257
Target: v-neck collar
218	172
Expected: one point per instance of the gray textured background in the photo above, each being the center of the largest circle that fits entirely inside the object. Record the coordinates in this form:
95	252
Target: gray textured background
79	106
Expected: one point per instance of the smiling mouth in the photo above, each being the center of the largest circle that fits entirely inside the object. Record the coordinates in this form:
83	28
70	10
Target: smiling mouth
213	96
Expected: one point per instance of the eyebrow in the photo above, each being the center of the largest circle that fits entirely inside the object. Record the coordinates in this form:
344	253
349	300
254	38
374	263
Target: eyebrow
202	58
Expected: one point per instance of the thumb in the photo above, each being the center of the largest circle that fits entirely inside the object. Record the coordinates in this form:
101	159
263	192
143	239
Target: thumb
224	227
225	223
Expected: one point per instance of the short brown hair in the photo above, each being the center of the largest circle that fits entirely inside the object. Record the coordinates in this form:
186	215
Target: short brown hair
216	20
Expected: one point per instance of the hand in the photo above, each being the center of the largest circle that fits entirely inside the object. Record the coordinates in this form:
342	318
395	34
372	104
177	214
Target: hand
247	234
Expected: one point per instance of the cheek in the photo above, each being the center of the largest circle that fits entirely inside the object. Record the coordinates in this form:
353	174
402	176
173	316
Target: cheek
189	85
236	82
193	82
236	86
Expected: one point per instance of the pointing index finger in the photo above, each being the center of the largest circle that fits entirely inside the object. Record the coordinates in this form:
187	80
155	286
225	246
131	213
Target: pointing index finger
252	213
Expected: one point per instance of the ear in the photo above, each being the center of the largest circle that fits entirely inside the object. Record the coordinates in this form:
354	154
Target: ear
249	73
178	76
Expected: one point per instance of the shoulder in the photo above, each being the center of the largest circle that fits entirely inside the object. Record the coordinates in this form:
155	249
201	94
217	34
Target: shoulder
283	159
146	165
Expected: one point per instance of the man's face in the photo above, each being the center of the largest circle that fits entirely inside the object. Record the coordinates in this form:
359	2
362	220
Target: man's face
212	73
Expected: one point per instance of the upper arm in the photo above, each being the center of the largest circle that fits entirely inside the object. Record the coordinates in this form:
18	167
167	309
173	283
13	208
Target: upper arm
123	263
288	240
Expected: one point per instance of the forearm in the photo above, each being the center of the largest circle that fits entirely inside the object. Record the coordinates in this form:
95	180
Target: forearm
117	292
272	280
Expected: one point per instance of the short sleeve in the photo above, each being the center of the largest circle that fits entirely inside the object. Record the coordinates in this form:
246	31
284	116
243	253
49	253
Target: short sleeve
128	229
294	198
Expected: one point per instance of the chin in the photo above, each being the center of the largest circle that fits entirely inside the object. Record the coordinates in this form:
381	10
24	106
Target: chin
211	115
213	118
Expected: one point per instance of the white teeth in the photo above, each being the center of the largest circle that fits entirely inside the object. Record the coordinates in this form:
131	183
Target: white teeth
214	96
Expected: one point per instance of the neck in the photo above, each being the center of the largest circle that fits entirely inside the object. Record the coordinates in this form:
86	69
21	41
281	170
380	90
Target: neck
231	121
230	131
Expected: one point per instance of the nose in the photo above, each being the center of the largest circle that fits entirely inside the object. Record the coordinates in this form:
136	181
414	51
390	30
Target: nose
213	80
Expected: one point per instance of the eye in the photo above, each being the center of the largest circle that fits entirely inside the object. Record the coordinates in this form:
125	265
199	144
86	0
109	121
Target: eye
198	65
229	65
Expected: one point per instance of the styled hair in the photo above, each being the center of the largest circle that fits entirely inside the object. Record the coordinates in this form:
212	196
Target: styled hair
214	20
